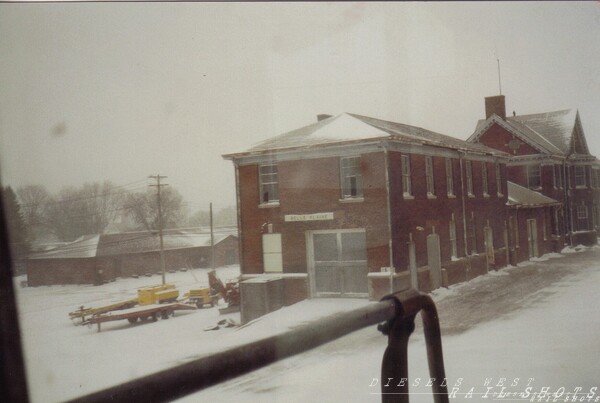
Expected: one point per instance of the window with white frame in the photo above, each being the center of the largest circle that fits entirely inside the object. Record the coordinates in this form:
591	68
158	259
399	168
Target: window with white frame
269	183
429	176
406	179
544	230
559	176
469	175
484	178
452	231
594	178
580	176
351	177
582	212
449	177
514	225
534	177
498	181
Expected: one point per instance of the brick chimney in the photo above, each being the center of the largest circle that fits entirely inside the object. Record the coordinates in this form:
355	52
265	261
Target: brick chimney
322	116
495	105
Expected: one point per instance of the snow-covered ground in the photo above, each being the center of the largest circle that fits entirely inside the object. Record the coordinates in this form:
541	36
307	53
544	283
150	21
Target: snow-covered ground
545	333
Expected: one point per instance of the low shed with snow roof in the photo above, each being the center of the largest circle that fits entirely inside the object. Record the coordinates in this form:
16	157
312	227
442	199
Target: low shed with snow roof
100	258
71	263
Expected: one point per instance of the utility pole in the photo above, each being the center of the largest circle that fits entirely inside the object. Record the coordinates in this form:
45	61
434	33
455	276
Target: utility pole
160	223
212	241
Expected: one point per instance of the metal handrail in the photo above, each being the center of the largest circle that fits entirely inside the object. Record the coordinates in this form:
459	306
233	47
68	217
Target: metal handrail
397	311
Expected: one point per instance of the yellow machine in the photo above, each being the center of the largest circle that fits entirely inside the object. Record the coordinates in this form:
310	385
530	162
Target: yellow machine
158	294
202	296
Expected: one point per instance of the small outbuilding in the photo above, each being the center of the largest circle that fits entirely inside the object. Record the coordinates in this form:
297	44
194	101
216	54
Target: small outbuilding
97	259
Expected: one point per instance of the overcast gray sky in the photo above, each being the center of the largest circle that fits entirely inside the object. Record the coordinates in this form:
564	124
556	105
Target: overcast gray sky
122	91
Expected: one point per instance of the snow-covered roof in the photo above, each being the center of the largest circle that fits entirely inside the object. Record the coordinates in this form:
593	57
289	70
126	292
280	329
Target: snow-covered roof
83	247
520	196
138	242
132	242
349	128
555	128
550	132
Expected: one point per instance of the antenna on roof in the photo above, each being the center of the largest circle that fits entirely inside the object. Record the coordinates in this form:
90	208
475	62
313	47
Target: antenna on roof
499	81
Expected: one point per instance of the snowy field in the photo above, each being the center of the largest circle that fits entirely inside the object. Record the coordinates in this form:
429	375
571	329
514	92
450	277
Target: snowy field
552	342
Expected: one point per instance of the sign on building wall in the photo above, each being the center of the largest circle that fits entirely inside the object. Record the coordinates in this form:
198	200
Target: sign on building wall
308	217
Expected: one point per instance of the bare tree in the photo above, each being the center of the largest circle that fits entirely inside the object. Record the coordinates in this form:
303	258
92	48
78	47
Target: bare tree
102	203
226	216
200	218
33	200
62	215
89	209
143	208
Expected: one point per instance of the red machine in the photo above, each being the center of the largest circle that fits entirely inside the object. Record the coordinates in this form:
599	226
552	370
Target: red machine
230	292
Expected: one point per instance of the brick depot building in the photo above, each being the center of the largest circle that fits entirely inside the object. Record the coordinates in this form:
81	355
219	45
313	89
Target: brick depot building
549	155
357	206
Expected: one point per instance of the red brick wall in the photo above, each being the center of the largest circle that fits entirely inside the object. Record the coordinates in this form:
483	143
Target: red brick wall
313	186
520	249
424	212
294	290
497	137
61	271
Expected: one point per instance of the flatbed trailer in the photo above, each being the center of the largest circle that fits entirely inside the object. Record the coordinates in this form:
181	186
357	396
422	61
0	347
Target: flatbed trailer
141	313
83	312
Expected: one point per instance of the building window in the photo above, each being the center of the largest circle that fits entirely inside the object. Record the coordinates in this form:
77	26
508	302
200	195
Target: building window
473	235
498	181
514	229
449	177
484	179
452	229
406	185
352	183
579	176
559	176
469	174
594	178
534	179
269	183
429	176
582	212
